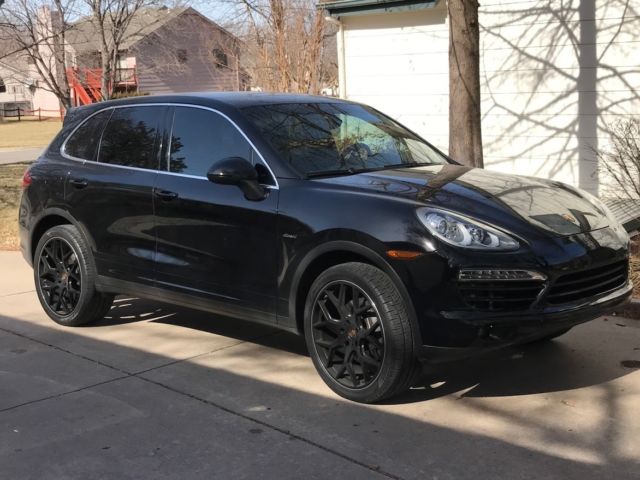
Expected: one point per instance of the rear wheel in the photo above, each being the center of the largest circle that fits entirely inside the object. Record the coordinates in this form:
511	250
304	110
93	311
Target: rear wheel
358	333
65	274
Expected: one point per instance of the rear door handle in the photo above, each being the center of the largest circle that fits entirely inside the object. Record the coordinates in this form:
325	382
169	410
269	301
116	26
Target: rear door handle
79	182
165	195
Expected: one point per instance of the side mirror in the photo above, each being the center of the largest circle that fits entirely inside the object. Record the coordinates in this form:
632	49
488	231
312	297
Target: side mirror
239	172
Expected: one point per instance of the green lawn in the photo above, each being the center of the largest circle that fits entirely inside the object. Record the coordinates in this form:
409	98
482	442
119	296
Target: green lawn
27	133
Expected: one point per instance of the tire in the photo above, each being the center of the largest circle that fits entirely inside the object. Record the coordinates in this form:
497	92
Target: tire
364	354
64	275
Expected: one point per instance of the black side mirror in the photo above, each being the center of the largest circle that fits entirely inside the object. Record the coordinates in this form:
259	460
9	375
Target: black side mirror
239	172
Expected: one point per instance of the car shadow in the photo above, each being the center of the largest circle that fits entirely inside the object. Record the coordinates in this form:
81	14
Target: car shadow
576	360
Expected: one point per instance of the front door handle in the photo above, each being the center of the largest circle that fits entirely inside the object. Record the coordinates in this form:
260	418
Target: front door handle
165	195
79	182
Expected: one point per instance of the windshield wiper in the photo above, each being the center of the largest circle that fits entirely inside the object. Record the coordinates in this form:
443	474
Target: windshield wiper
406	164
330	173
354	171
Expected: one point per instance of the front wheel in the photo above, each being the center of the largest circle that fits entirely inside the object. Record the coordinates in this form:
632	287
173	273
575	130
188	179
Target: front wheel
358	333
64	274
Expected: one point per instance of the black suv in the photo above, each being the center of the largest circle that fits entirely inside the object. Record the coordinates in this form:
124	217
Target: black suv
319	216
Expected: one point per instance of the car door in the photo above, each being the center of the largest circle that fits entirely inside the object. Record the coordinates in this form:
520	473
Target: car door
111	194
212	242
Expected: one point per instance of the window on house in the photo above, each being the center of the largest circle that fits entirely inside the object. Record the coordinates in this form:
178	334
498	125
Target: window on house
220	58
182	55
3	87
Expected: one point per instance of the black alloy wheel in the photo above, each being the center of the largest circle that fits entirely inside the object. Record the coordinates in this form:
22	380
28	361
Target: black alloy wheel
60	276
65	278
348	334
359	334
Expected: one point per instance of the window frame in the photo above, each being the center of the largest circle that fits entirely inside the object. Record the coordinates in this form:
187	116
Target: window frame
165	162
182	56
157	141
163	139
63	147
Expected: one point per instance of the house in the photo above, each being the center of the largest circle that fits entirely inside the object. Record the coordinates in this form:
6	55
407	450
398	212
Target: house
554	76
164	51
21	85
14	90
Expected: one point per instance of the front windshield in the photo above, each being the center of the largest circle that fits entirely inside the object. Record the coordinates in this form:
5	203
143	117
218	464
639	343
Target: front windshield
334	138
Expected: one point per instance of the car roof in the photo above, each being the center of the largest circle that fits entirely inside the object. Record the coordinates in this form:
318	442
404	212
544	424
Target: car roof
220	99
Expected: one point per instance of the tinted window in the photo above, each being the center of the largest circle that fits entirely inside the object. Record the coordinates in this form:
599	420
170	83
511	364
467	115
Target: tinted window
130	136
200	137
323	137
84	142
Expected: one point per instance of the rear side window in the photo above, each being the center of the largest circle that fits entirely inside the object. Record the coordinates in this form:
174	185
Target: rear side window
201	137
85	140
130	136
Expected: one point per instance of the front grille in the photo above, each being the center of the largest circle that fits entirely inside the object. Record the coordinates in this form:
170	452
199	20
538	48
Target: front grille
500	295
585	284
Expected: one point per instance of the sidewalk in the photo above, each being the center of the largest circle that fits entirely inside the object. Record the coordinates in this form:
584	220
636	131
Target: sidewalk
15	155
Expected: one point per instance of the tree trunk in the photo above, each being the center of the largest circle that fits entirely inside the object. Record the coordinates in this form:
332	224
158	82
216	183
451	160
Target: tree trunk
465	133
105	61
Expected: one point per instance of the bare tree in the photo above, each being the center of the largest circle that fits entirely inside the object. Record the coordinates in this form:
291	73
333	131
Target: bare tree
112	23
465	132
33	30
620	163
286	44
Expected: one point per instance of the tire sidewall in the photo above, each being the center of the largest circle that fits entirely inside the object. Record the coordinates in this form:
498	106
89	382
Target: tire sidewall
87	291
395	348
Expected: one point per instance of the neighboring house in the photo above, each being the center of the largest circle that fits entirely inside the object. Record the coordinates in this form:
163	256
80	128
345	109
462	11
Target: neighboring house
20	83
554	75
164	51
15	91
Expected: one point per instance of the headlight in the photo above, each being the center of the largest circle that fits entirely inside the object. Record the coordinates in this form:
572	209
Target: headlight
463	232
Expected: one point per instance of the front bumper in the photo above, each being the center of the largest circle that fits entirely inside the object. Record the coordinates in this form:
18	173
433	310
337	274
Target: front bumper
500	331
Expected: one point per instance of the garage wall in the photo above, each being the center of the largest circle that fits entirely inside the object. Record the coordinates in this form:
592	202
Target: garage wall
398	63
555	75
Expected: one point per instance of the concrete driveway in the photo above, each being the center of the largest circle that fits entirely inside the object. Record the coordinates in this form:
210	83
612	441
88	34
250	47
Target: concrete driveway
158	392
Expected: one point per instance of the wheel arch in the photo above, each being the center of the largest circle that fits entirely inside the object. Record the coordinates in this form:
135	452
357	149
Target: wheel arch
50	218
334	253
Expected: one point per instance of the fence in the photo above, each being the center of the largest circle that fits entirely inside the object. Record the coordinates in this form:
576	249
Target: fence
41	113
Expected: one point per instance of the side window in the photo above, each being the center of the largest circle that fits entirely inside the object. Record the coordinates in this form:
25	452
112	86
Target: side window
130	136
85	140
201	137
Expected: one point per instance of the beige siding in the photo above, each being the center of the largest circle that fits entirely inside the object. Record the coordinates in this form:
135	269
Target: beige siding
554	75
398	63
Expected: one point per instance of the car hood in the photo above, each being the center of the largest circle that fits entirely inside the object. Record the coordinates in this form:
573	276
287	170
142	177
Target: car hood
499	198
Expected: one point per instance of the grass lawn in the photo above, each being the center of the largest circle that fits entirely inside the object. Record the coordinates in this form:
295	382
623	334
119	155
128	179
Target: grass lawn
28	133
10	191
